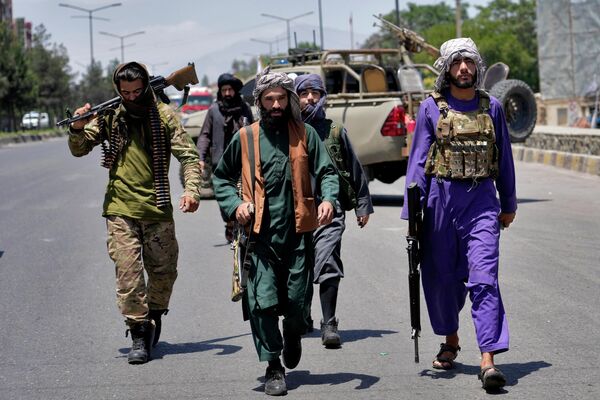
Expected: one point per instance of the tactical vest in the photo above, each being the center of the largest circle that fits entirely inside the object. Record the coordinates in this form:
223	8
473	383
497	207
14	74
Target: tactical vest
334	146
465	145
253	182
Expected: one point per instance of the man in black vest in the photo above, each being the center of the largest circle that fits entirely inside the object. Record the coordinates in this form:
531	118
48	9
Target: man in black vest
354	194
223	119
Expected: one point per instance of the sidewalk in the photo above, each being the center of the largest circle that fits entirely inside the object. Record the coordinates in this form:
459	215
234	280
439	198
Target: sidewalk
575	149
31	137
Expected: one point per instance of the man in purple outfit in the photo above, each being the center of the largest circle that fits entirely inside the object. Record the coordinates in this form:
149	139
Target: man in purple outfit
460	157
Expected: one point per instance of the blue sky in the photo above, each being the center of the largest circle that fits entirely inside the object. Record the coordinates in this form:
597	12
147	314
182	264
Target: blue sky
179	31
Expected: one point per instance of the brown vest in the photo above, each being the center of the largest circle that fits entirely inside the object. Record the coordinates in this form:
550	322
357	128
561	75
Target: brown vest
305	210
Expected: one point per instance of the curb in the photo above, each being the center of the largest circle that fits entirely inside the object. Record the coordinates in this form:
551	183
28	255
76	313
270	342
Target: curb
585	163
30	137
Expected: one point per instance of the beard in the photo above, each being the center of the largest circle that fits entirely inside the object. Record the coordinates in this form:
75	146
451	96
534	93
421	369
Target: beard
275	122
463	84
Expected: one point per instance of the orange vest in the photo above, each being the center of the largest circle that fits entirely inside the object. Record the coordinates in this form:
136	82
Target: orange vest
305	210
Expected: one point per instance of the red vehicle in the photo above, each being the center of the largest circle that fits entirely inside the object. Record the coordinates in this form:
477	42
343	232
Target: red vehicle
199	99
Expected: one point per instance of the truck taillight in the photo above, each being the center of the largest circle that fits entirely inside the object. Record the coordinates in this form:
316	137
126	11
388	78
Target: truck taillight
394	124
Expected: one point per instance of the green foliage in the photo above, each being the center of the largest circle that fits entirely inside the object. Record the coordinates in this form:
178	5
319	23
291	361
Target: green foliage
243	69
96	85
503	30
18	87
308	45
422	17
50	65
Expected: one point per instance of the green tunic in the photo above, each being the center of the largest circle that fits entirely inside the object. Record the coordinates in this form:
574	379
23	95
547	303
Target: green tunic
280	279
130	190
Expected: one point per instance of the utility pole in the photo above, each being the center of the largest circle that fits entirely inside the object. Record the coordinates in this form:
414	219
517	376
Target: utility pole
321	25
351	33
122	38
397	13
287	22
90	17
458	19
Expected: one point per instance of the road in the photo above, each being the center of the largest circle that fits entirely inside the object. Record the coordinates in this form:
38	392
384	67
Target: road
62	337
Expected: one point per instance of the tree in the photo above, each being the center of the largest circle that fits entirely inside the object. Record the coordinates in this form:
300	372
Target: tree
503	30
243	69
95	87
205	81
18	86
50	65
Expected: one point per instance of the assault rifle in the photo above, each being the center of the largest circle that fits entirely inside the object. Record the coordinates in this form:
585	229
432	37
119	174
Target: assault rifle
180	79
415	224
411	41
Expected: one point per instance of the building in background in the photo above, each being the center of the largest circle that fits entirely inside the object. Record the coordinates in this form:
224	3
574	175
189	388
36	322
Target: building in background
569	60
6	11
23	31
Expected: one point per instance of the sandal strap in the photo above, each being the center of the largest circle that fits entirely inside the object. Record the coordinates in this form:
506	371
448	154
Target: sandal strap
486	369
444	347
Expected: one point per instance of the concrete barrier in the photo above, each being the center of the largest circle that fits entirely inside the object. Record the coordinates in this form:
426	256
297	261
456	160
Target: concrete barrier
31	137
575	149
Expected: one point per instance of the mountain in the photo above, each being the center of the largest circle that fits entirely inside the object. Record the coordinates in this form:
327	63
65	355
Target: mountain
215	63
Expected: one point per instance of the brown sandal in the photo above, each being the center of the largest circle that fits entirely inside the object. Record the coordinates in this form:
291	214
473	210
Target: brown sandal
446	348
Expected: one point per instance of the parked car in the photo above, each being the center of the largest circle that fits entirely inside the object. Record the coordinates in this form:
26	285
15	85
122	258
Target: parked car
199	99
35	120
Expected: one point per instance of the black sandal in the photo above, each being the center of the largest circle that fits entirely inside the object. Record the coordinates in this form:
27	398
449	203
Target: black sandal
446	348
491	378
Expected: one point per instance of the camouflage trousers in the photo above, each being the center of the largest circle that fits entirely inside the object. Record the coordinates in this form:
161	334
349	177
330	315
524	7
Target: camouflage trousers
134	246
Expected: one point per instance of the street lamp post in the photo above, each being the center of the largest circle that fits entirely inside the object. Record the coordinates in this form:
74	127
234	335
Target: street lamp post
265	42
90	12
270	43
287	22
122	38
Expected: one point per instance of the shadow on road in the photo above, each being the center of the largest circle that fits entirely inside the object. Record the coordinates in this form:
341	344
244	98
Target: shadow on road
513	371
524	201
354	335
295	379
164	348
388	200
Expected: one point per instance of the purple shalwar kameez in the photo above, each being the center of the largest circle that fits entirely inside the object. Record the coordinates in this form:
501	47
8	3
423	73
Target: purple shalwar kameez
462	231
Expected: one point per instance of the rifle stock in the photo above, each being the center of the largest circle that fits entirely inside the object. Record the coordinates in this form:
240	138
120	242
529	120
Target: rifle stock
415	221
179	79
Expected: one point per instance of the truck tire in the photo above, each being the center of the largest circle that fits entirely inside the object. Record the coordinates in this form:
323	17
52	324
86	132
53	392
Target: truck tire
519	105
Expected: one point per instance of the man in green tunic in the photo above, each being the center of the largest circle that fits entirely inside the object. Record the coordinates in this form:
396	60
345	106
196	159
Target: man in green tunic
137	140
278	158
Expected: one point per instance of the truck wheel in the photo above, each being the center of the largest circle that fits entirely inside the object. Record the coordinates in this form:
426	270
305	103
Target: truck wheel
519	105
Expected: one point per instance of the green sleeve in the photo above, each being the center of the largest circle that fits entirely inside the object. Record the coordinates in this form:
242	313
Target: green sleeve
83	141
226	175
323	169
184	150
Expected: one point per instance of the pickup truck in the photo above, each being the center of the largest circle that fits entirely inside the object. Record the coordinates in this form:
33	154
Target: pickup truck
364	95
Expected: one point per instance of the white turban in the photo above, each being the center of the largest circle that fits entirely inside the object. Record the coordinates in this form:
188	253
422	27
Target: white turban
452	50
268	80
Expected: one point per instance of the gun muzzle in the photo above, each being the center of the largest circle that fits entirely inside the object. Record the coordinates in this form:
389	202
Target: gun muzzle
415	337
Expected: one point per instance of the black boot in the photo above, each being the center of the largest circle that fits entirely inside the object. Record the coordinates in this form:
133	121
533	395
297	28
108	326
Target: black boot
330	337
292	350
142	335
275	381
155	315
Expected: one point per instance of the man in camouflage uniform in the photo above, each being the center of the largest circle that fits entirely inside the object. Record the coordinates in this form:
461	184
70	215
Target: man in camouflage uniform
137	206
